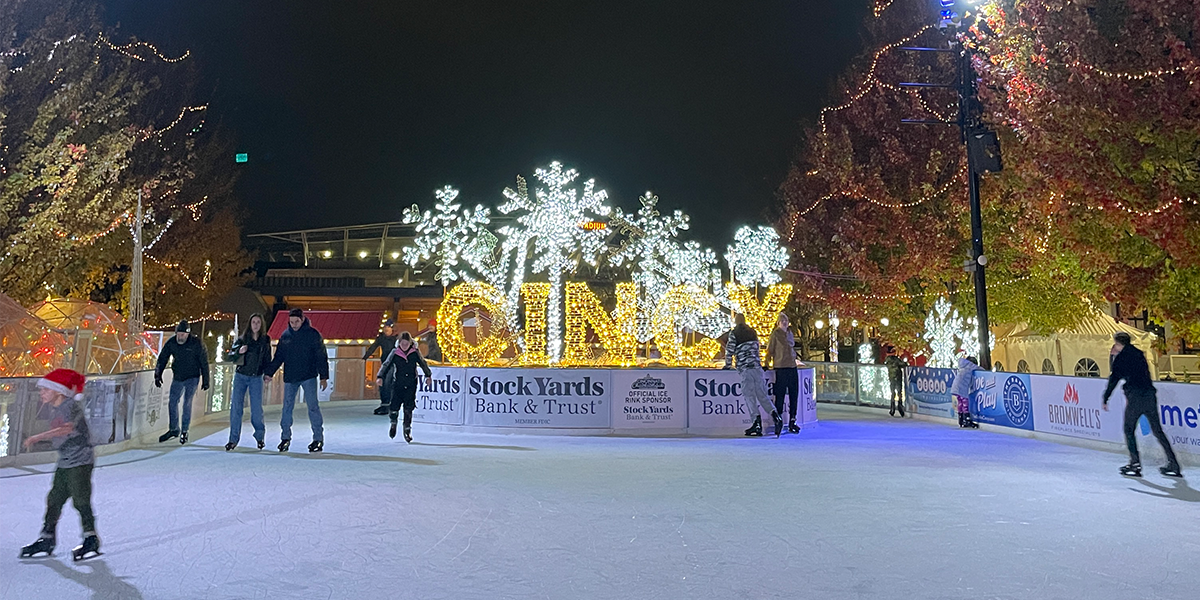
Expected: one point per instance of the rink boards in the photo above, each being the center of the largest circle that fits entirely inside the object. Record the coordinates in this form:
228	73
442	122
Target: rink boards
597	401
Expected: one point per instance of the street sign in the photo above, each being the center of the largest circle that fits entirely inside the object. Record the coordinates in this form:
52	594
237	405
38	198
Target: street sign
241	157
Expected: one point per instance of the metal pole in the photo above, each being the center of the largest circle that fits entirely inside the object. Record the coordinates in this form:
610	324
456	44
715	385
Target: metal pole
136	306
968	123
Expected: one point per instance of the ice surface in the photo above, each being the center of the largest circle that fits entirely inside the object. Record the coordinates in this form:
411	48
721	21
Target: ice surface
862	507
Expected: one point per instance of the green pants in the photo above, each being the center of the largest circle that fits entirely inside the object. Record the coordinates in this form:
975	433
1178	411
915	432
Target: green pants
74	483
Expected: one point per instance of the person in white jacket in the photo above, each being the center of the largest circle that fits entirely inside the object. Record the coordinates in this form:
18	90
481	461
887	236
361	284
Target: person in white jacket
961	390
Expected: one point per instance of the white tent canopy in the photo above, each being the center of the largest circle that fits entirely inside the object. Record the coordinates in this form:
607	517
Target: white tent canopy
1081	350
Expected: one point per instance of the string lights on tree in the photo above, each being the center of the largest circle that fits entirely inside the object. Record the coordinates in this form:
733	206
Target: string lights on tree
756	258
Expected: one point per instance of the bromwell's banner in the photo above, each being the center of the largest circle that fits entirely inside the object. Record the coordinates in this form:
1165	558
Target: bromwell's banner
649	399
546	398
1073	406
1003	399
441	398
930	389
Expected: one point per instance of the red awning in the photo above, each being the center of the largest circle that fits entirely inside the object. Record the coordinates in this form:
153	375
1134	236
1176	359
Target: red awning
335	324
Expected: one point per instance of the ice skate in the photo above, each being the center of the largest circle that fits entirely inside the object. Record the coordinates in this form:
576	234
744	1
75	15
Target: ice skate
183	438
230	446
778	423
392	430
316	446
1132	470
408	434
284	445
261	444
892	410
755	429
43	545
792	427
168	435
89	548
1171	471
382	409
900	406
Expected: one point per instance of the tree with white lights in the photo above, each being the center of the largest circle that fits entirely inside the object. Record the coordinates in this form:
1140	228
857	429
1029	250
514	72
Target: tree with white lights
450	236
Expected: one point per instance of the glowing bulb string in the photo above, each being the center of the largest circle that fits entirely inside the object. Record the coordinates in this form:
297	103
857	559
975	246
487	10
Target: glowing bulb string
914	296
870	82
127	50
178	268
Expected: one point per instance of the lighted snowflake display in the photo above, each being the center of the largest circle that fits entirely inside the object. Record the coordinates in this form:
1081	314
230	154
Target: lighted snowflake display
969	339
456	241
942	326
755	258
649	249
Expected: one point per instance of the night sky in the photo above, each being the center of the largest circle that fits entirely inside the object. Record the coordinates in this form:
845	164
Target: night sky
352	110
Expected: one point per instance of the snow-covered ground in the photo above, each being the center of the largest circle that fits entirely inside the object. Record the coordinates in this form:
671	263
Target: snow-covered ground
862	507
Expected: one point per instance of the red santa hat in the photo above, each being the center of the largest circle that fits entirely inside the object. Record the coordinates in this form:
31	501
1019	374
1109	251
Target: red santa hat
64	381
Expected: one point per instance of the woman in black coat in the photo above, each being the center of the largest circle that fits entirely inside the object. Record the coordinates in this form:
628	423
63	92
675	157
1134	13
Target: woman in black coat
404	360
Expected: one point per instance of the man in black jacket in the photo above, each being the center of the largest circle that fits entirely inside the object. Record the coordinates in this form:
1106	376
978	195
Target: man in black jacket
385	341
301	352
189	368
1141	399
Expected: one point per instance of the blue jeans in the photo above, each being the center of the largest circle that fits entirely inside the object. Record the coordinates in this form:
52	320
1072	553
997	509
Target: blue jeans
241	385
314	411
187	389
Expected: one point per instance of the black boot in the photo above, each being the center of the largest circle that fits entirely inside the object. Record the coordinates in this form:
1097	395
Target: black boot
1171	470
778	422
792	428
892	410
392	429
174	433
284	445
316	446
408	434
900	405
230	446
382	409
44	544
89	548
755	429
183	438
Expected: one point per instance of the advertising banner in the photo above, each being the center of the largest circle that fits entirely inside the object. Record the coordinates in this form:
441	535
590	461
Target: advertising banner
150	406
1002	399
715	402
649	399
441	398
808	397
547	398
930	390
1074	406
1179	410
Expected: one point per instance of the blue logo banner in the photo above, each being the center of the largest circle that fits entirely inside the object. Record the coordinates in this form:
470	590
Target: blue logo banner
1003	399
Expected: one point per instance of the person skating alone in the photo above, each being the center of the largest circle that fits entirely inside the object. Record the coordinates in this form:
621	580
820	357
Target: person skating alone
252	353
401	366
1141	400
385	342
961	390
781	355
62	391
189	368
895	369
301	353
742	344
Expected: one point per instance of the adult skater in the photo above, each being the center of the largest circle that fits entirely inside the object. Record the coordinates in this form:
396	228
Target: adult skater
301	352
781	356
743	345
252	353
895	369
189	368
62	390
961	390
1141	399
401	366
386	342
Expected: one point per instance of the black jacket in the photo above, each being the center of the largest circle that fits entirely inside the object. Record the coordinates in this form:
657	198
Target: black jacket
386	342
1129	364
257	357
191	359
405	366
302	354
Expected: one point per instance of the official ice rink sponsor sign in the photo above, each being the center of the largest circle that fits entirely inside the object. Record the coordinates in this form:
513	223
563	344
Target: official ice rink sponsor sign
715	400
547	398
930	389
1074	406
441	398
649	399
1003	399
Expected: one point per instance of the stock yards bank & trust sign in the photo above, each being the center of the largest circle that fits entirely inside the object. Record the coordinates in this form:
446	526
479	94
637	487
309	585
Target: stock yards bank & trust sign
568	398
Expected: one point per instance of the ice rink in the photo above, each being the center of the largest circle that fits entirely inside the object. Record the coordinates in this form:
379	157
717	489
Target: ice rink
862	507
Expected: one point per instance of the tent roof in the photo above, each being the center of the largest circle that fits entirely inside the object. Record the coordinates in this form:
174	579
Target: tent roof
1097	325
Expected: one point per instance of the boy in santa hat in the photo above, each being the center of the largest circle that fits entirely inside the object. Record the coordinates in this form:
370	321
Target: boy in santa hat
62	391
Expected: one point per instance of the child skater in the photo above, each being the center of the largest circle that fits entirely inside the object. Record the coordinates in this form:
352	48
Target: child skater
961	390
404	359
62	390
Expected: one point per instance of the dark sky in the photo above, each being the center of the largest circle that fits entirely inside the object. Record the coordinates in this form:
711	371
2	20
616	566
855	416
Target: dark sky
351	110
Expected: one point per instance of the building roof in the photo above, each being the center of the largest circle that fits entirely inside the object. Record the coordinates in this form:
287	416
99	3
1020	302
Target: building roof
335	324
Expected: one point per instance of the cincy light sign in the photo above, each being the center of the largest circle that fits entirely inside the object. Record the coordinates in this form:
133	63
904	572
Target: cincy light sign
675	286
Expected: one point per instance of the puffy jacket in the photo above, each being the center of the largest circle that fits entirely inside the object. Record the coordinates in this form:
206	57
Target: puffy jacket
742	343
302	354
964	377
402	366
191	359
895	367
781	349
257	357
1129	364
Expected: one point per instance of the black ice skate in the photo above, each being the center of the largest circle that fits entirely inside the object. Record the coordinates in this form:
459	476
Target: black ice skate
392	430
792	428
892	410
1171	471
89	548
408	434
778	422
316	446
900	405
230	446
1132	470
183	438
284	445
43	545
755	429
261	444
168	435
382	409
